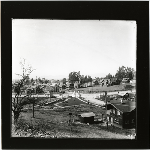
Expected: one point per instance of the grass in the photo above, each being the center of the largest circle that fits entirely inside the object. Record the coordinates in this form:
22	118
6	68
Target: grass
54	123
71	102
99	88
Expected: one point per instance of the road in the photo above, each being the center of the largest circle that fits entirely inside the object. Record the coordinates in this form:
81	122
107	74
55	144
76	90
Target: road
89	97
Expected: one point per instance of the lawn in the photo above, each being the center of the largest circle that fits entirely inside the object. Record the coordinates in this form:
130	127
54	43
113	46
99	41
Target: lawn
104	88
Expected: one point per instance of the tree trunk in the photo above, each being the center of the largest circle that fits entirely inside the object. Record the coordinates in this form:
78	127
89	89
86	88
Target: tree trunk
16	116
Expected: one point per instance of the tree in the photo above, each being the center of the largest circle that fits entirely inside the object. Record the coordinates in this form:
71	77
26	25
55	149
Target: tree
96	82
89	79
109	76
64	80
27	81
124	72
73	77
82	79
76	76
85	79
40	80
49	90
39	89
32	81
19	101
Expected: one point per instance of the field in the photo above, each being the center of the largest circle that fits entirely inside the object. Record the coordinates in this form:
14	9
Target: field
52	123
99	88
52	118
70	102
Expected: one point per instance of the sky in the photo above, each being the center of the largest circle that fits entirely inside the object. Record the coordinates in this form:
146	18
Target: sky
54	48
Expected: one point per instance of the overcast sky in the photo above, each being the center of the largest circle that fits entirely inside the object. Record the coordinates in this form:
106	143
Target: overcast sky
57	47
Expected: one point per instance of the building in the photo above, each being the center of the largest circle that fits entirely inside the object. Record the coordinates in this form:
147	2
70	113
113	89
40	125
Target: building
55	87
87	117
114	81
125	80
105	81
122	115
134	75
76	84
133	82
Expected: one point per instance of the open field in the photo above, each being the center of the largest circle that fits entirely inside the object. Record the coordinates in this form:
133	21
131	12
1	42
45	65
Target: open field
104	88
71	101
54	123
99	88
51	123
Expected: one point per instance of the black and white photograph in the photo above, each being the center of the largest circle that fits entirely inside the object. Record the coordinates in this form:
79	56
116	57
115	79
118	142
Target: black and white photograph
74	79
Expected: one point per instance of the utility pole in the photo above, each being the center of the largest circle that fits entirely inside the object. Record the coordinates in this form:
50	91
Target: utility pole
106	108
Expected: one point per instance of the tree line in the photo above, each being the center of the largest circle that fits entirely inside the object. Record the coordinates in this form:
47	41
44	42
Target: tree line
76	76
122	72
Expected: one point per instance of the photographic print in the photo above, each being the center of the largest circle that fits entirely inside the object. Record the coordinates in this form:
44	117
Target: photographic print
74	78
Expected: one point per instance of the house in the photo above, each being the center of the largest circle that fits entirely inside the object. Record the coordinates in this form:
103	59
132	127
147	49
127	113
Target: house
105	81
62	86
89	84
134	75
122	115
125	96
85	85
61	83
86	117
55	87
48	91
133	82
76	84
125	80
114	81
67	83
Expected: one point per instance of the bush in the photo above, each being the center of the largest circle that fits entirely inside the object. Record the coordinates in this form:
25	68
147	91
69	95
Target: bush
128	87
33	129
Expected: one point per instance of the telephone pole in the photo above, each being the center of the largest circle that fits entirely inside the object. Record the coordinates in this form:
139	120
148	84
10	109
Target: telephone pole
106	108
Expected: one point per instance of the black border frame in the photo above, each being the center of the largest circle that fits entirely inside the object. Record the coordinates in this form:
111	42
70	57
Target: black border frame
79	10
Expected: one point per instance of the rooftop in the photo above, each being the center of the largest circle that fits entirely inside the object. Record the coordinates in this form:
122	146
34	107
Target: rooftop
125	107
89	114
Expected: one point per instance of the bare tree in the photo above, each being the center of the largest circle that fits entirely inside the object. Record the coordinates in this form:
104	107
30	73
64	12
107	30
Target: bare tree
18	101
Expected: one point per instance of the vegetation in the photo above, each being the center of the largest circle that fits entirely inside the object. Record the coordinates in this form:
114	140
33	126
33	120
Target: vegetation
71	102
54	124
124	72
109	76
51	121
75	76
17	102
98	89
